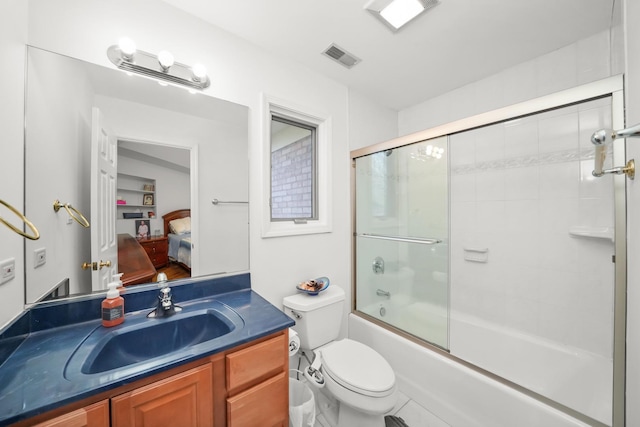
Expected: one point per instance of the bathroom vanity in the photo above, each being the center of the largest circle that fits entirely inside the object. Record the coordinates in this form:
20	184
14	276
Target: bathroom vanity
245	386
83	374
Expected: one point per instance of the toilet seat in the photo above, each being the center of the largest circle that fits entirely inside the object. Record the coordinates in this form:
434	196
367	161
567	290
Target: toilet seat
358	368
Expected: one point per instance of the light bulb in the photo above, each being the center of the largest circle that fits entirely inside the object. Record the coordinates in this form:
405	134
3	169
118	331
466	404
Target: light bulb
165	58
199	72
127	47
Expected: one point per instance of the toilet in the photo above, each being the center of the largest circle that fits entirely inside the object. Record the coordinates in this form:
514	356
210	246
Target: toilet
358	377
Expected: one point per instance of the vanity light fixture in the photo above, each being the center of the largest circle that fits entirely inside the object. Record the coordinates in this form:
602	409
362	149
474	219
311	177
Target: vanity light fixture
125	56
165	59
397	13
127	48
198	72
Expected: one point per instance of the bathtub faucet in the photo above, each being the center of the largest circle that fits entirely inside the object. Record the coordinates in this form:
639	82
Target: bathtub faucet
382	293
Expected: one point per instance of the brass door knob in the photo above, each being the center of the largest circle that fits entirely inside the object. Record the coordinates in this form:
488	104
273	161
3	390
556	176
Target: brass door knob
96	265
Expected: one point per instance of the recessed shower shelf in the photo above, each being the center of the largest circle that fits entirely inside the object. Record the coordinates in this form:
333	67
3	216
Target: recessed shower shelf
605	233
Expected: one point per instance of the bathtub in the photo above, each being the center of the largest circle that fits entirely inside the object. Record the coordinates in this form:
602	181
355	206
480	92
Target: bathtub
424	320
456	393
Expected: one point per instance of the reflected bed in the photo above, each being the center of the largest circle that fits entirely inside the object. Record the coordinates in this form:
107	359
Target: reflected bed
179	236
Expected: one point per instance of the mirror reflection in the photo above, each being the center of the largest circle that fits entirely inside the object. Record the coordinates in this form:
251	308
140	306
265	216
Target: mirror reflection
142	162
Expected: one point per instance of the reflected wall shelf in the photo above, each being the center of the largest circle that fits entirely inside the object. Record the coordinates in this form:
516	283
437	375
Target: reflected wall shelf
135	190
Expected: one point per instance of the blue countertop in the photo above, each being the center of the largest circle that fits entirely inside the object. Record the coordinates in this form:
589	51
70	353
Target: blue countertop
35	350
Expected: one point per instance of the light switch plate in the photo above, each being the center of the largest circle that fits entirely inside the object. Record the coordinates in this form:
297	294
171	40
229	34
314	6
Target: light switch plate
7	270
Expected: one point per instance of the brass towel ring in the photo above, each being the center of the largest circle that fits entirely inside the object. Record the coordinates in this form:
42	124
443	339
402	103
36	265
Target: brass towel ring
73	213
34	230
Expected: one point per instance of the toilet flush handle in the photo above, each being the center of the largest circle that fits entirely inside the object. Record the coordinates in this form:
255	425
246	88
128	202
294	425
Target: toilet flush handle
295	314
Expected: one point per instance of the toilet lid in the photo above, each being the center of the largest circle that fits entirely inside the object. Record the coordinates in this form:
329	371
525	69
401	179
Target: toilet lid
358	368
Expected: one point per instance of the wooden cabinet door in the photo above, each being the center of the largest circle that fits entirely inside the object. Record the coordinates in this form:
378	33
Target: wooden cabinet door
265	404
183	400
96	415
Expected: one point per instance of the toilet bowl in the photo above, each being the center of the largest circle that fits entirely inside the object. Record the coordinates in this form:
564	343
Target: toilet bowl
356	376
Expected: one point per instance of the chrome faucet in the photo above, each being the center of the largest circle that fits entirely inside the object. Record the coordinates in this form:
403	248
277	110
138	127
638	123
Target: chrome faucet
165	307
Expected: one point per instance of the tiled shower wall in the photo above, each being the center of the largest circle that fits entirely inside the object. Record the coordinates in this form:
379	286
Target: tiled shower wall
517	190
537	306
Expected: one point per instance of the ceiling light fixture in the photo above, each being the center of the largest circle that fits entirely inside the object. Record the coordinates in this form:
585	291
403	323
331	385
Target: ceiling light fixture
125	56
397	13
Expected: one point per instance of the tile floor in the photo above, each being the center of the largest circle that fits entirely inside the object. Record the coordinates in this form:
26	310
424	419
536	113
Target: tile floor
413	414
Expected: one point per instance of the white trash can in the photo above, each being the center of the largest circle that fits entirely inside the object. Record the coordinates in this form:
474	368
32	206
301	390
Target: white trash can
302	405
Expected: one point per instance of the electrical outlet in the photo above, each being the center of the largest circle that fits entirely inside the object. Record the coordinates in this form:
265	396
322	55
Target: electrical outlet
7	270
39	257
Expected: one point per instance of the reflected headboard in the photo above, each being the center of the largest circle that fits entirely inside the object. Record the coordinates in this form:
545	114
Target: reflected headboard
181	213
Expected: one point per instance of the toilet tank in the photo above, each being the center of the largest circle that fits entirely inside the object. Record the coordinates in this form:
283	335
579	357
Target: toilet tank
318	317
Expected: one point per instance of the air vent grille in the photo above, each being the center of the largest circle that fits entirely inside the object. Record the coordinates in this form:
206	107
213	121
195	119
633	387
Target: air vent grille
341	56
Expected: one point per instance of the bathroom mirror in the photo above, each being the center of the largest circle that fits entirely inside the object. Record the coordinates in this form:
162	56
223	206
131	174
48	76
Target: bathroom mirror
186	149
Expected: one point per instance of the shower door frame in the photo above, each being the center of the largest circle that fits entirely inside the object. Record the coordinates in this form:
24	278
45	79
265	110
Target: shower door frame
610	87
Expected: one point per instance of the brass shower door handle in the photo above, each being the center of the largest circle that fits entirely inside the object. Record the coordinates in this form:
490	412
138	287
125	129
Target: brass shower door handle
96	265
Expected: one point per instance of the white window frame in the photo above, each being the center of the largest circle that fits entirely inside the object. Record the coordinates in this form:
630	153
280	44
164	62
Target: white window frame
282	108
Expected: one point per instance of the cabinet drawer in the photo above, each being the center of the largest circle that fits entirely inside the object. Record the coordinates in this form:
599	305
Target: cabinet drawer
266	404
156	247
256	363
96	415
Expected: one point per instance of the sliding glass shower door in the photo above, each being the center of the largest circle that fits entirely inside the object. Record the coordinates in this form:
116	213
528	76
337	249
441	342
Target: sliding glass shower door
402	219
496	243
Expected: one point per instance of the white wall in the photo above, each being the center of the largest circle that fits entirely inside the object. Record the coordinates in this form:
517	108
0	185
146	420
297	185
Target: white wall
13	36
58	154
632	103
585	61
369	123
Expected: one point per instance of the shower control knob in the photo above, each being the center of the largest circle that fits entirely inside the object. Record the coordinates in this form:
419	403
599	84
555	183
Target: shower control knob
378	265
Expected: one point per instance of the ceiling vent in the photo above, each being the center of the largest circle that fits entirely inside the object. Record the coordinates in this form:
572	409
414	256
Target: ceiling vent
341	56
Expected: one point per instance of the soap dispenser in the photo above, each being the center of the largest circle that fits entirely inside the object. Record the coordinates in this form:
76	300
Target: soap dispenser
113	305
117	279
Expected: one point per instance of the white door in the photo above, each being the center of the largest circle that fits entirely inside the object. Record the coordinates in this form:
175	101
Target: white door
104	166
